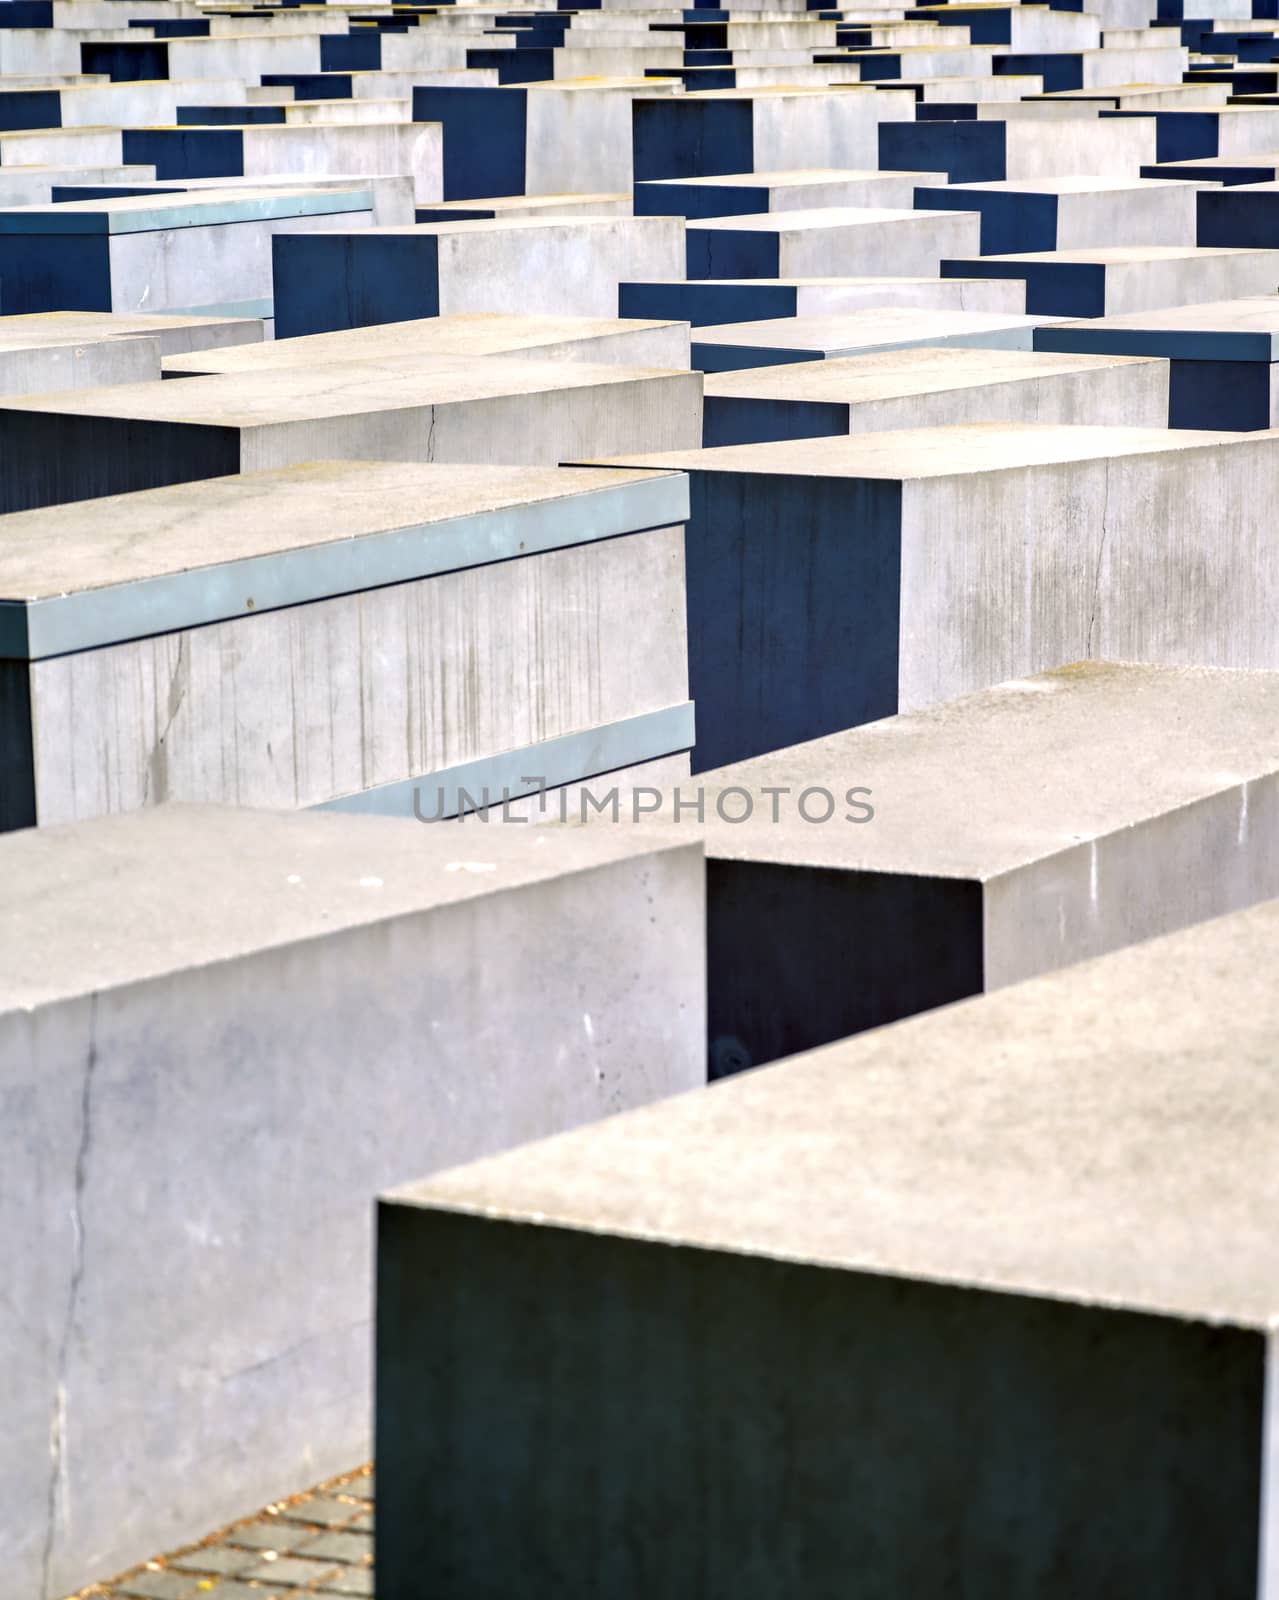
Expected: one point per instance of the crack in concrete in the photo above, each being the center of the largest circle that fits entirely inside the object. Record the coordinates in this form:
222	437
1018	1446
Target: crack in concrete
1101	557
157	767
56	1496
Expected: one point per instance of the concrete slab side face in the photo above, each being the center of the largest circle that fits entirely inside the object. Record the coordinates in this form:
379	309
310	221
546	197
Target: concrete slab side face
982	1300
175	1398
631	1418
793	605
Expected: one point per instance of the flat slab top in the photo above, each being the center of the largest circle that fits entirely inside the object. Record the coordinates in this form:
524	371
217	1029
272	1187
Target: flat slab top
92	905
890	374
128	538
1106	1135
482	225
1246	329
1119	255
526	202
796	177
60	327
871	325
816	219
955	451
1044	764
1250	158
478	333
150	212
329	389
1071	185
866	280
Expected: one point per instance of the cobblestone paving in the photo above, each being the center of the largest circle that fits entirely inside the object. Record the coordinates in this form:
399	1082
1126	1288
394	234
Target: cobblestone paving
318	1543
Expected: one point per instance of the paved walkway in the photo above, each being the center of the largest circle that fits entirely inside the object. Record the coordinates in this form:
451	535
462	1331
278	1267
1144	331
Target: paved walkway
319	1543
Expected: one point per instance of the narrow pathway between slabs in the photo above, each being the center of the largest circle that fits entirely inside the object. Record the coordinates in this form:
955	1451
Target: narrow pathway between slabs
318	1543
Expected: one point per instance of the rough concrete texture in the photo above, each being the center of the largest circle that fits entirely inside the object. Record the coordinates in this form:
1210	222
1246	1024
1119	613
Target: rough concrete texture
985	841
985	1300
241	998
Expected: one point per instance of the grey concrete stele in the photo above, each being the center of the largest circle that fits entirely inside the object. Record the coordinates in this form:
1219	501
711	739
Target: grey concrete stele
221	1032
1039	823
1223	358
228	641
60	448
834	581
982	1304
931	387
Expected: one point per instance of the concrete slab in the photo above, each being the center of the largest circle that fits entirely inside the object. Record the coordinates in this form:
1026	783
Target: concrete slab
628	342
537	138
407	408
33	186
245	152
499	207
195	254
1100	281
1245	214
739	194
931	387
778	342
126	624
392	193
549	265
829	242
1000	145
1222	357
1067	213
34	363
707	135
935	562
174	335
711	300
985	1300
1102	805
241	996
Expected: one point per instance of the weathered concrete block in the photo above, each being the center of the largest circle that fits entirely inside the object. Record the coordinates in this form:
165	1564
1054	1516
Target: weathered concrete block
391	193
559	265
535	138
1222	357
34	186
708	135
245	152
835	581
501	207
931	387
828	243
1099	281
776	342
1243	215
706	300
740	194
205	1017
1066	213
60	448
190	253
984	1302
536	617
173	335
990	149
1039	823
626	341
31	362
